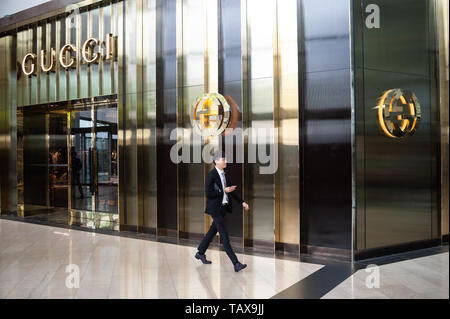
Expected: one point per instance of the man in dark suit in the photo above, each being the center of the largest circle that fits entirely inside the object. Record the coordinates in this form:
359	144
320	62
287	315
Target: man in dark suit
219	192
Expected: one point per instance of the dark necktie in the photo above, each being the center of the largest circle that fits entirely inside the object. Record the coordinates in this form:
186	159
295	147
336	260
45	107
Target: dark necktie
225	184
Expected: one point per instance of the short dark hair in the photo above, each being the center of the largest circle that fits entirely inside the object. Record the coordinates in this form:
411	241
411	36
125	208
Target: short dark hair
217	156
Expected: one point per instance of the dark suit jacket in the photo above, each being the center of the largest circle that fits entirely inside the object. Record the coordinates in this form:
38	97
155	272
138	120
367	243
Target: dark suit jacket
214	193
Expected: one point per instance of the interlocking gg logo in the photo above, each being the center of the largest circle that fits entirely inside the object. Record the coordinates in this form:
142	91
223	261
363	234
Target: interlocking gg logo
398	113
210	114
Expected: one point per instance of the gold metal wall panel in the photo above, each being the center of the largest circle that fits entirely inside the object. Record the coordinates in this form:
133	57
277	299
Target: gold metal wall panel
72	74
60	73
3	124
8	194
258	107
287	217
442	27
105	65
41	88
94	32
148	155
396	207
34	132
10	116
20	77
211	78
33	80
51	43
116	28
191	81
139	112
83	71
133	103
245	116
118	9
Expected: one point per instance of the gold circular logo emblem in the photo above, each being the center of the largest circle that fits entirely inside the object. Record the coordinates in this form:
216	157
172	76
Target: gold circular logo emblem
398	113
210	114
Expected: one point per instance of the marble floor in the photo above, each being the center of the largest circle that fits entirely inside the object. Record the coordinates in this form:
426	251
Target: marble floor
35	262
41	261
417	278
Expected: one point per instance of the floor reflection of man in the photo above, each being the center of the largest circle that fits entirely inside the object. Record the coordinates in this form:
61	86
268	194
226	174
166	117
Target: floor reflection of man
76	168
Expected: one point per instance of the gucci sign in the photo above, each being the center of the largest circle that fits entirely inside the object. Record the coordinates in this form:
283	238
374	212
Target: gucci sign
210	114
66	58
398	113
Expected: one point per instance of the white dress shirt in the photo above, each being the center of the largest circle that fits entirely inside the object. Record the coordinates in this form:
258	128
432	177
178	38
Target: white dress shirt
222	178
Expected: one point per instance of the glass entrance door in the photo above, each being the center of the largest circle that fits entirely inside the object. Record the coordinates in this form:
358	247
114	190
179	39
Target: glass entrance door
106	153
93	158
81	147
67	160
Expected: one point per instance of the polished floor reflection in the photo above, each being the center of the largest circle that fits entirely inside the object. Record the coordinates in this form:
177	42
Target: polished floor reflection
418	278
62	217
33	261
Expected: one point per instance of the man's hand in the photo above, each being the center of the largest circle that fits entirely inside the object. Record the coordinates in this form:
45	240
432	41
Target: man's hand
230	189
245	205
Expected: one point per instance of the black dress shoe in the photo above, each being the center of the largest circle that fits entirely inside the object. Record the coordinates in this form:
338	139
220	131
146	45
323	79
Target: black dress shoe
202	258
238	266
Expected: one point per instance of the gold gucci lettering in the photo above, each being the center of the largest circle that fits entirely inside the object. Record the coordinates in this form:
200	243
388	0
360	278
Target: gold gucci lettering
32	69
51	60
68	48
106	50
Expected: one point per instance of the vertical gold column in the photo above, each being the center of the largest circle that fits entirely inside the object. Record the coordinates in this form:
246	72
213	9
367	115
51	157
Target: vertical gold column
130	89
83	30
245	118
116	31
8	133
51	43
32	80
11	116
181	211
258	108
211	75
139	112
97	33
45	77
116	13
21	82
276	114
89	90
442	29
287	214
57	66
148	156
210	46
70	87
197	72
101	37
3	126
82	73
20	76
40	76
60	72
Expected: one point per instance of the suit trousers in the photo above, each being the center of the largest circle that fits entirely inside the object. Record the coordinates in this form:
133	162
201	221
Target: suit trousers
218	225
